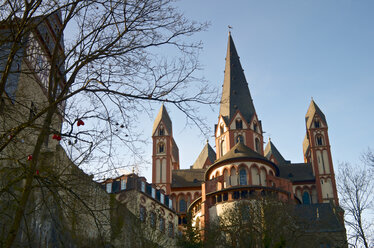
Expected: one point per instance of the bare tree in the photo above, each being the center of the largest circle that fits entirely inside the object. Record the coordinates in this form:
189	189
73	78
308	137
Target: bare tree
356	189
107	72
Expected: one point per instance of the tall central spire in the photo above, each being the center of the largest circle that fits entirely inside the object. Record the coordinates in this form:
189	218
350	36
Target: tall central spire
235	92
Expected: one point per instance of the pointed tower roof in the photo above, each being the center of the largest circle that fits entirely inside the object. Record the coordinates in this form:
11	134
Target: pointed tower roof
235	92
164	117
175	151
206	154
270	149
312	110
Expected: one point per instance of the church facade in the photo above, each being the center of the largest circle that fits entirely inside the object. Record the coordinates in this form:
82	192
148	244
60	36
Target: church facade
241	167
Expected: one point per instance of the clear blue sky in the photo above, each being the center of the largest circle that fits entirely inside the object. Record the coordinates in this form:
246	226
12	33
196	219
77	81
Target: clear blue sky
290	51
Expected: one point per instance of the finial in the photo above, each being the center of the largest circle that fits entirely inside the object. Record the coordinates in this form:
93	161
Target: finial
230	27
133	170
207	141
312	98
269	139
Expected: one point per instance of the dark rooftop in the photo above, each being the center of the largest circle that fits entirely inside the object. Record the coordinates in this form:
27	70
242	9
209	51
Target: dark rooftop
297	172
187	178
235	91
206	153
322	217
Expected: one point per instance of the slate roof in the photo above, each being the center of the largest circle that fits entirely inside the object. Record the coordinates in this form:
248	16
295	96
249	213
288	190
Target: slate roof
175	151
321	217
206	153
164	116
240	151
312	110
187	178
235	91
297	172
270	149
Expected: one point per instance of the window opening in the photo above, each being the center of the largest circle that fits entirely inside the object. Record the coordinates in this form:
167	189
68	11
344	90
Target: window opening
123	184
316	124
225	197
152	217
239	124
242	177
182	205
170	230
306	198
161	148
223	147
257	145
161	131
162	224
109	187
142	213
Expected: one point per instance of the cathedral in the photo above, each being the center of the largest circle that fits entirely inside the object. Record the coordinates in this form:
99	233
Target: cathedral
240	166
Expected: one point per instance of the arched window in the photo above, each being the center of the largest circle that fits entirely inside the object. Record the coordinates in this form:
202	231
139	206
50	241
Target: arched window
239	138
306	198
233	177
161	147
239	124
257	145
242	177
161	131
221	130
182	205
319	140
226	178
263	177
223	147
255	176
152	217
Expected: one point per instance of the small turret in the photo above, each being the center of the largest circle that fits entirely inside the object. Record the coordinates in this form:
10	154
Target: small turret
317	151
165	156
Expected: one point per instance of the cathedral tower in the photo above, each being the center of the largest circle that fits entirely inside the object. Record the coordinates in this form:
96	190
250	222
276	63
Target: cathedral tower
165	156
237	121
317	151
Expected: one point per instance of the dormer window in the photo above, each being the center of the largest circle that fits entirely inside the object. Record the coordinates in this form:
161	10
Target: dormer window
239	124
255	127
316	124
161	148
161	131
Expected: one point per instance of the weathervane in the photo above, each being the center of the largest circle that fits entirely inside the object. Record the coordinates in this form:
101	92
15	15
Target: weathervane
230	27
